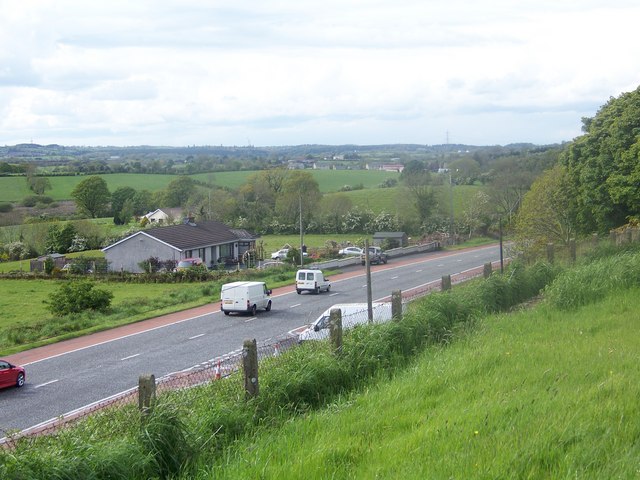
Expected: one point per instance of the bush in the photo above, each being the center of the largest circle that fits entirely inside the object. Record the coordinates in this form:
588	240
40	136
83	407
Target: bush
76	297
5	207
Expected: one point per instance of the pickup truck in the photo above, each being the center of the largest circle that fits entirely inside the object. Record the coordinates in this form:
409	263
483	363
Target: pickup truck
376	256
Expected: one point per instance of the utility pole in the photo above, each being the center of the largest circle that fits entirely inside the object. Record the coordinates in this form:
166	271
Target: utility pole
451	219
369	294
301	234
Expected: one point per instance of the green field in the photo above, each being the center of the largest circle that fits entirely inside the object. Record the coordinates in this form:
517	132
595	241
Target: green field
14	189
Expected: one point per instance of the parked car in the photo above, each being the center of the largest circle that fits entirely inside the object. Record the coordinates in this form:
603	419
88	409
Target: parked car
352	314
311	281
282	254
350	251
376	256
11	375
188	263
244	297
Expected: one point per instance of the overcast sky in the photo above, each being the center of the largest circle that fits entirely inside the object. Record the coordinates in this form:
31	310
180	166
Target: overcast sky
290	72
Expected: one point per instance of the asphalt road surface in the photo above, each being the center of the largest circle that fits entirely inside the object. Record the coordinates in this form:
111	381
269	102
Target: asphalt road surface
61	382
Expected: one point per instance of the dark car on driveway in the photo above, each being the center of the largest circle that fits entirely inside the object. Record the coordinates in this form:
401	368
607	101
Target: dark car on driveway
11	375
376	256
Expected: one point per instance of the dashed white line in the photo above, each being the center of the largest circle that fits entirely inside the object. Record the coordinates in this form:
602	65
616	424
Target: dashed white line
130	357
333	294
294	306
196	336
418	271
46	383
250	319
393	278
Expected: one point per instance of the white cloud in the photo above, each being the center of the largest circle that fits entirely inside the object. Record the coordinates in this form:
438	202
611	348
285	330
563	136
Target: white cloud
286	72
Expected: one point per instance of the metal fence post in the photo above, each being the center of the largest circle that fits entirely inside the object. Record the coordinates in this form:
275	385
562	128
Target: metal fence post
146	392
396	305
335	330
250	367
446	283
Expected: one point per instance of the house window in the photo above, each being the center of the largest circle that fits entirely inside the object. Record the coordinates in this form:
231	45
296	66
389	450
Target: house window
226	251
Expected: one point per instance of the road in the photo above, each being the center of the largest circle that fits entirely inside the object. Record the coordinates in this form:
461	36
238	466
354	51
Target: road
60	381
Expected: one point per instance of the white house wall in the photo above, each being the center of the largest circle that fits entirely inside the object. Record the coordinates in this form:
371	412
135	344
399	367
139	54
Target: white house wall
126	255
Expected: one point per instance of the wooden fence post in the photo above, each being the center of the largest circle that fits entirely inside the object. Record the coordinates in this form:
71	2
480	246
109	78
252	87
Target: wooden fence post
572	249
488	268
446	283
250	367
629	234
335	330
396	305
550	253
146	392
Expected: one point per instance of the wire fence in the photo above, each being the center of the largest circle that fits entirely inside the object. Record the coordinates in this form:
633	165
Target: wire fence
225	366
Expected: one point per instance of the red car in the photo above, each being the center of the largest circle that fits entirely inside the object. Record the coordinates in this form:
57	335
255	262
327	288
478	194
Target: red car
11	375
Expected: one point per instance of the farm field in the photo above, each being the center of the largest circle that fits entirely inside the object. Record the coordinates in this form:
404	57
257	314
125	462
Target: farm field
14	189
394	200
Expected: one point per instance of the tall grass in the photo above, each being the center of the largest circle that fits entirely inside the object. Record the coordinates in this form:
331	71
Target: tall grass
520	397
591	281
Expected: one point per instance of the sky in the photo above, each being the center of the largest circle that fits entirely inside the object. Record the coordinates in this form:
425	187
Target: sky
293	72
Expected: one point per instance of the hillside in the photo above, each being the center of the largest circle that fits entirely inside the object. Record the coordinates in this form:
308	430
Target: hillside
534	394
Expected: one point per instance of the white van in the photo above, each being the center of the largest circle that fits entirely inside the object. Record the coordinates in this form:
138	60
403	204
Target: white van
245	297
352	314
311	281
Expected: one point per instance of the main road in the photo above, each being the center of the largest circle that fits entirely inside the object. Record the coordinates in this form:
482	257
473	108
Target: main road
64	377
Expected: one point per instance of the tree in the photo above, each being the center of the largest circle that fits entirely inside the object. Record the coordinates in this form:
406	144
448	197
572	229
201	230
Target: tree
59	240
119	198
178	191
475	214
36	184
603	165
92	197
510	181
300	189
333	209
547	213
417	179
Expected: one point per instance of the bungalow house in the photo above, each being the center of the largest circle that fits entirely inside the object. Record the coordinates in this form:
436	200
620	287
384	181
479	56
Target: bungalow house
163	216
211	241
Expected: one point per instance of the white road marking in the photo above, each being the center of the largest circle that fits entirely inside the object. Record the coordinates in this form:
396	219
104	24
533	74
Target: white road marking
333	294
46	383
130	357
196	336
294	306
393	278
418	271
250	319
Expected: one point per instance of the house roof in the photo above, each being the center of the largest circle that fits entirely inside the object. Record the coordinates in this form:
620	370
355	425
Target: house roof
194	235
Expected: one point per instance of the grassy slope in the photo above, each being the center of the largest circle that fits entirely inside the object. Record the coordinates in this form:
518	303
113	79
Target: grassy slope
538	394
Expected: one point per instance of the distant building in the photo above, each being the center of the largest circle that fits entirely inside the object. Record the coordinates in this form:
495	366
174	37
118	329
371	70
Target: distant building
164	216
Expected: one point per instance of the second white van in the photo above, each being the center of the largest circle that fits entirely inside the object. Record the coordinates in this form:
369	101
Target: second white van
312	281
244	297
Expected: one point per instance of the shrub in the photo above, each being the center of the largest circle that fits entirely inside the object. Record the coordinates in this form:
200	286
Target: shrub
5	207
76	297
